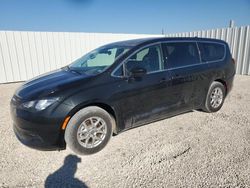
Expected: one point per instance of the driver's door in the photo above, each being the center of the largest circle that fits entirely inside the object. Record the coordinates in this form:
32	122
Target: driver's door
141	99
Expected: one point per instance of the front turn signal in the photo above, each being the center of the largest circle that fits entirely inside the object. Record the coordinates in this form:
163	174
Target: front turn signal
64	125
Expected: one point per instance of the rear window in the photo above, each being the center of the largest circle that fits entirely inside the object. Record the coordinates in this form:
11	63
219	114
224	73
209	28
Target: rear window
211	51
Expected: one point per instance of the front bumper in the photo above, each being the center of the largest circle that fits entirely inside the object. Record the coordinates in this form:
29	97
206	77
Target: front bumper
37	130
36	141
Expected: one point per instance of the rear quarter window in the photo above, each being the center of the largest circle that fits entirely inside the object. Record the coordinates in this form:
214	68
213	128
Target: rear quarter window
211	51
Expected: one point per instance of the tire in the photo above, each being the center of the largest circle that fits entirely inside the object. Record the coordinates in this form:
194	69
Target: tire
217	93
89	130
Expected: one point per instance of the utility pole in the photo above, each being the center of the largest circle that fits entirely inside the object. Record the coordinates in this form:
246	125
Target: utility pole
231	23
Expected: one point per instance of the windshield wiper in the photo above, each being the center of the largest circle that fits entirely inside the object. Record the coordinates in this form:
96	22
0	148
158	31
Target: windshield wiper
67	68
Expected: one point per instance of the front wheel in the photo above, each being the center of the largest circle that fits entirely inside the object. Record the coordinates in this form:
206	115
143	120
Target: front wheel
89	130
215	97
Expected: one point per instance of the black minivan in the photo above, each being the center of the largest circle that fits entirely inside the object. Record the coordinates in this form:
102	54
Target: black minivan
120	86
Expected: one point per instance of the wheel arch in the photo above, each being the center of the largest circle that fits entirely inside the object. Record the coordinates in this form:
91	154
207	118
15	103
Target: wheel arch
223	82
102	105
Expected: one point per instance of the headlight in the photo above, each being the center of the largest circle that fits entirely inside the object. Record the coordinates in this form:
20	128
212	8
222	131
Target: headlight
39	104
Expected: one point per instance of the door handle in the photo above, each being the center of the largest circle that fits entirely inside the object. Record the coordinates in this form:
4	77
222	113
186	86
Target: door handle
176	76
163	80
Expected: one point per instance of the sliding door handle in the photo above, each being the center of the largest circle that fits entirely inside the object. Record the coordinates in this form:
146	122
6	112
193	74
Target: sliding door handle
176	76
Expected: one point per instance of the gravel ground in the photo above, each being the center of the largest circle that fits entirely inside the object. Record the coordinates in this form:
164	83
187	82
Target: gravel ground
195	149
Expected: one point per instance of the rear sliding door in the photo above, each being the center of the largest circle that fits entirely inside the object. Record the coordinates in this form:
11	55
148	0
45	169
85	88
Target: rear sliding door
183	62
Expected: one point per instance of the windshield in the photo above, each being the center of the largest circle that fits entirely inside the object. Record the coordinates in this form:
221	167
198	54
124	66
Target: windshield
98	60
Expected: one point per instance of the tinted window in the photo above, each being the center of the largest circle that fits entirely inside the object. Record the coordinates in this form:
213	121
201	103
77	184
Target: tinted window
180	54
148	58
211	51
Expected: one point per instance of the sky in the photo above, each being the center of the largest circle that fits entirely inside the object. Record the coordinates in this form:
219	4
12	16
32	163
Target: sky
122	16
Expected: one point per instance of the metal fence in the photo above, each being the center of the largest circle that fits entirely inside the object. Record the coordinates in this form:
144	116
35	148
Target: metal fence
238	39
24	55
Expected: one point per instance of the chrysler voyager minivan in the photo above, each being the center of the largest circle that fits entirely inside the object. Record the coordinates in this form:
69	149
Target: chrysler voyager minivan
120	86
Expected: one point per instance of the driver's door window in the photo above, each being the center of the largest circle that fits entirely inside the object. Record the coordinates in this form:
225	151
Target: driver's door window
148	58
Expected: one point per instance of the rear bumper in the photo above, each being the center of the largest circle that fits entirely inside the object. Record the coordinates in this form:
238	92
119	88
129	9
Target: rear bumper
229	83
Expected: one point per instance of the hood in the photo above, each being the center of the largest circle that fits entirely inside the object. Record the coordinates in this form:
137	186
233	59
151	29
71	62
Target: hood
49	83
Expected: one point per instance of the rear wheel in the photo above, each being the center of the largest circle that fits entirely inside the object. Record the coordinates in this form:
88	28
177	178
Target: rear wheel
215	97
89	130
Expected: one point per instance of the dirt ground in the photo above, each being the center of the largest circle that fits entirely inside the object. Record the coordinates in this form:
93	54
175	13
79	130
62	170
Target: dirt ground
195	149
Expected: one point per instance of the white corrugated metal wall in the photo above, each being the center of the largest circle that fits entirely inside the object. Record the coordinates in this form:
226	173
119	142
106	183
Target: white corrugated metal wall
238	39
24	55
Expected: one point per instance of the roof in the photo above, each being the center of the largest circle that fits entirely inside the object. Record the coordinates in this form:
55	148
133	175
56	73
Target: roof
136	42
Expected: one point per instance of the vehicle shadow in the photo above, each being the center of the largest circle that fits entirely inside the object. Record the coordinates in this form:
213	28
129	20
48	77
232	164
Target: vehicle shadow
64	176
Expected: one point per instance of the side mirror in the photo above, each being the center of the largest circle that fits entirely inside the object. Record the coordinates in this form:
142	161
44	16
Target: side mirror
138	72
